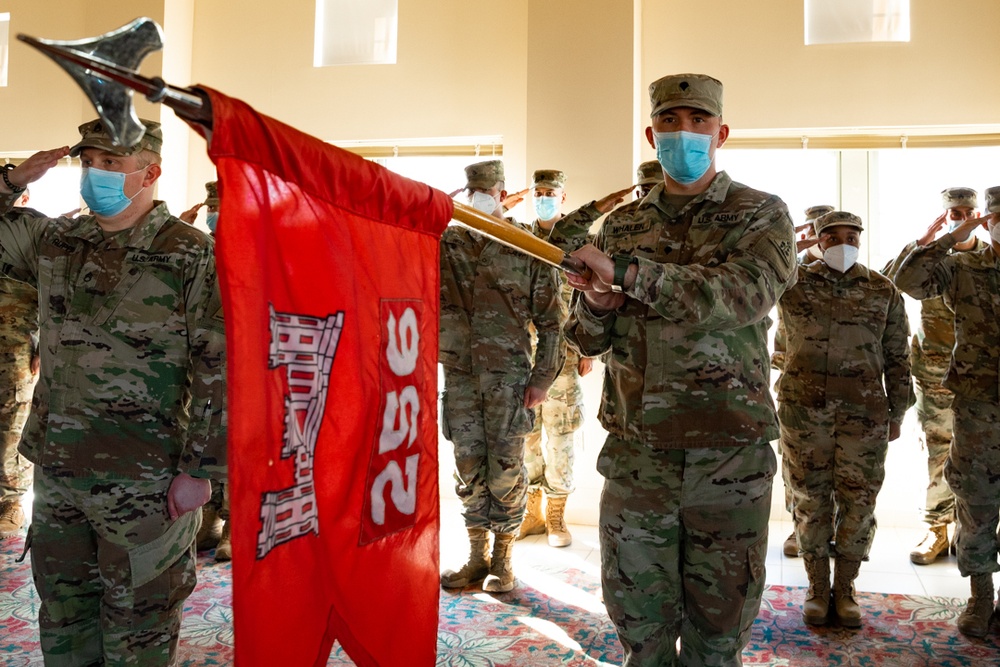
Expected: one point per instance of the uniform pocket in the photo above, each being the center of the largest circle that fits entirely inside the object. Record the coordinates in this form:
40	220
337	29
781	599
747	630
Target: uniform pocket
756	556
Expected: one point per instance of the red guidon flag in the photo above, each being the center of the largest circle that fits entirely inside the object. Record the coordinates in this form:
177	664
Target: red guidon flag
329	272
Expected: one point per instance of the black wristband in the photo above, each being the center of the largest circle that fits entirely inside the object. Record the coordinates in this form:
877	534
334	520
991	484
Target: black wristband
622	262
6	179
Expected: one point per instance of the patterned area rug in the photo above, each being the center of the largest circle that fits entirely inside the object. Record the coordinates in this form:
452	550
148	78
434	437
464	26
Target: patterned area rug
556	617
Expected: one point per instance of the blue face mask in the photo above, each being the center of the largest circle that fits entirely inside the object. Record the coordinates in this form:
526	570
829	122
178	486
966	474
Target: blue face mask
684	155
104	191
546	208
212	219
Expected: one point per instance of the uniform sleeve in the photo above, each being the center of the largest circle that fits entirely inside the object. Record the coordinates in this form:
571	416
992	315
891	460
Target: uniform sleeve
204	450
896	349
20	237
570	232
736	293
548	313
891	269
780	342
927	271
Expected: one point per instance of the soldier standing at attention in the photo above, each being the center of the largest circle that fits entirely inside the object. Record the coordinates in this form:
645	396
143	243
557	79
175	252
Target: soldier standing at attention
970	285
930	352
18	373
127	423
843	393
682	285
490	296
550	468
649	174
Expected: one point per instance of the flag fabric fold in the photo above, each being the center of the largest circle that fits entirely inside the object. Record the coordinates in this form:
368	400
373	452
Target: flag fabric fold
329	272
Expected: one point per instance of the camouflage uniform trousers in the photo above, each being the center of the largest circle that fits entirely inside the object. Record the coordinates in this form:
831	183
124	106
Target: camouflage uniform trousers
973	472
683	542
836	464
17	383
934	412
111	569
562	415
485	418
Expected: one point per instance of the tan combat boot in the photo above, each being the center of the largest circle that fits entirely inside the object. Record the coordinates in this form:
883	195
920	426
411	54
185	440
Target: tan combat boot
11	518
791	547
555	523
816	609
501	576
224	551
847	608
934	544
479	561
975	620
533	522
211	529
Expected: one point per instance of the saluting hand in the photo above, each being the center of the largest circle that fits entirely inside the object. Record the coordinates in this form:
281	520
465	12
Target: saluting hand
932	231
190	215
965	229
516	198
804	244
608	203
35	167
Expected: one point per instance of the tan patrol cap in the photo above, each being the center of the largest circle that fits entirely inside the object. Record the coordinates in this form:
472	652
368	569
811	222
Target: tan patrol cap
686	90
484	174
814	212
549	178
837	219
955	197
212	193
993	199
94	135
649	173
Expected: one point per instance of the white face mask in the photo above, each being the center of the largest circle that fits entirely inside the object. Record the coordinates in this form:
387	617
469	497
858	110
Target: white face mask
995	232
841	257
486	203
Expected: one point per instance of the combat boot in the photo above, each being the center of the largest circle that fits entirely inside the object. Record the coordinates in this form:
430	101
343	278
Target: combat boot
934	544
211	529
501	576
975	620
224	551
479	561
555	524
847	608
816	609
11	518
791	546
533	522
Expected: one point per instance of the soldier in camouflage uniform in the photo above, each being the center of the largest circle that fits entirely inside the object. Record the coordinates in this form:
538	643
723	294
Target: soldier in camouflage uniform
930	351
682	285
18	373
127	421
648	175
550	469
808	249
841	347
970	285
490	297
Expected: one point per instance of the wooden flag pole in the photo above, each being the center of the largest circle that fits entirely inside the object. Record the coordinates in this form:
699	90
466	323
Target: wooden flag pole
516	237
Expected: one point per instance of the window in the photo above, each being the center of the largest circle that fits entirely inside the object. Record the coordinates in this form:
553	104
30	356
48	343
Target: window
841	21
349	32
4	41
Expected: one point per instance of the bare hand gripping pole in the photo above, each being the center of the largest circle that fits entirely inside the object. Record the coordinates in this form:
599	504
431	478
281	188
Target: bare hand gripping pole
105	67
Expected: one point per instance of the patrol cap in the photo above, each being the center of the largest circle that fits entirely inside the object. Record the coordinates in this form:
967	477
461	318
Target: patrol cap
549	178
95	135
484	174
837	219
993	199
649	173
814	212
686	90
955	197
212	193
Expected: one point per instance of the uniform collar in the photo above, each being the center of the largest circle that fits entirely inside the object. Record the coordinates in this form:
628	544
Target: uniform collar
140	236
716	192
858	272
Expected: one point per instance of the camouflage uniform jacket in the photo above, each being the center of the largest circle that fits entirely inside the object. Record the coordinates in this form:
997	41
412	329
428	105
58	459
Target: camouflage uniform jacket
566	294
931	345
688	363
132	383
970	285
844	336
489	295
18	315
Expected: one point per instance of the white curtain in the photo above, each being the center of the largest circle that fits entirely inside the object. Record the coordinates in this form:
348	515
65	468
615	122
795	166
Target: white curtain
355	32
840	21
